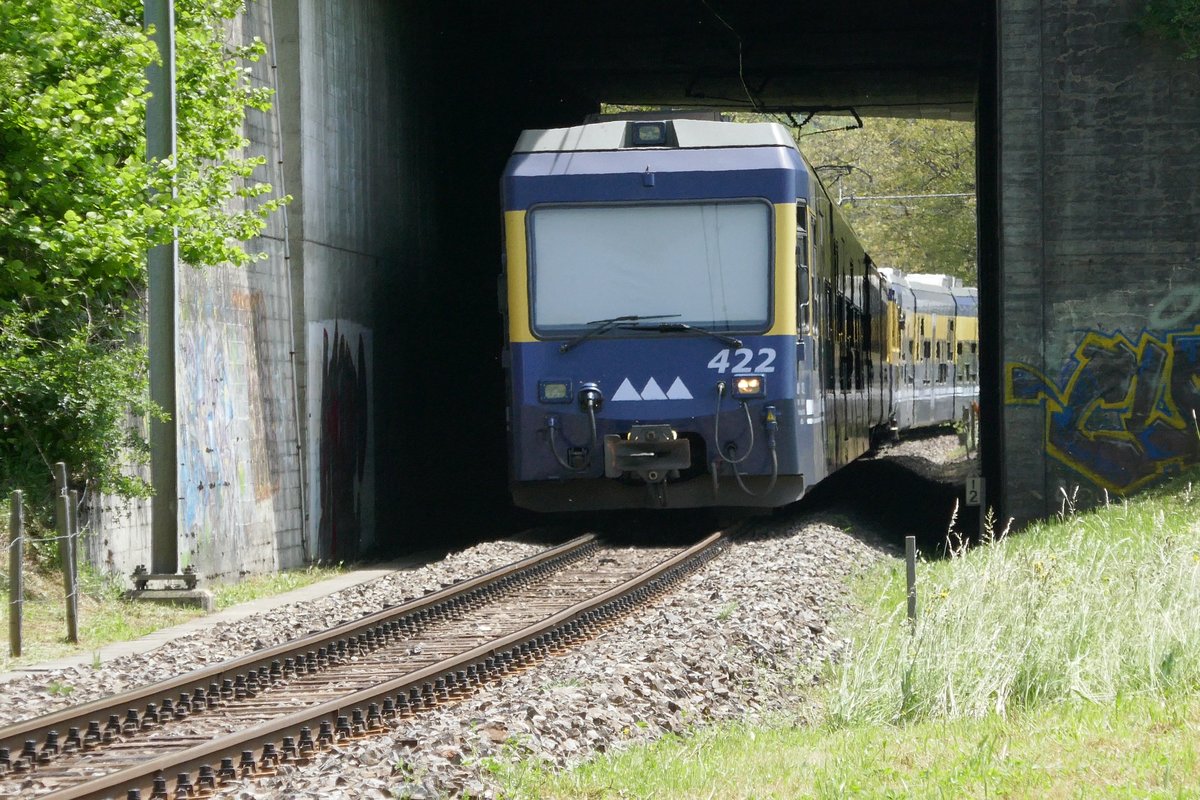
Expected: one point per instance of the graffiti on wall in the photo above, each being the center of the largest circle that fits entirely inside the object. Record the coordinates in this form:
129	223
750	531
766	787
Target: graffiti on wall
266	421
231	422
339	442
207	428
1123	411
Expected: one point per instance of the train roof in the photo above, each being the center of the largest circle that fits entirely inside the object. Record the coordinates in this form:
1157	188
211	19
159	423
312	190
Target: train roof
648	133
941	294
926	279
966	298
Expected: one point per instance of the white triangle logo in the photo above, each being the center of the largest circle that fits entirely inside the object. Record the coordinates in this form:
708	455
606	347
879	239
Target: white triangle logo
626	392
653	391
678	391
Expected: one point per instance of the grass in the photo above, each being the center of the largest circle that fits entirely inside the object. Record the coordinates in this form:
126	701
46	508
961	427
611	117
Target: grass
256	586
1138	748
1060	662
1091	607
104	617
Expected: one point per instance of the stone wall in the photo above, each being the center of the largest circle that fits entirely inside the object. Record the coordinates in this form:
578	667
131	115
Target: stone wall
1100	275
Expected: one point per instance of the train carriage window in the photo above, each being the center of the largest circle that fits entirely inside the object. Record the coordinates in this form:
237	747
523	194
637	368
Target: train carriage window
859	343
858	349
828	341
802	228
868	340
845	343
803	285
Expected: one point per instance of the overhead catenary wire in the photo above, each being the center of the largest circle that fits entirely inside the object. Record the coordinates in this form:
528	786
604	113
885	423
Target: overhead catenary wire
754	102
852	198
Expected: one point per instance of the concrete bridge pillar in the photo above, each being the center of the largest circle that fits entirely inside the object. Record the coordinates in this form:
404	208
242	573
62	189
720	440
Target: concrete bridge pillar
1099	274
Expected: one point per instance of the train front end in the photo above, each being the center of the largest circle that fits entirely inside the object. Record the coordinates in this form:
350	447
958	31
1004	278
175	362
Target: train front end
650	304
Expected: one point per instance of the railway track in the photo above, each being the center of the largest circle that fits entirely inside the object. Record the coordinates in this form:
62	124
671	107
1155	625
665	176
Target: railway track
189	736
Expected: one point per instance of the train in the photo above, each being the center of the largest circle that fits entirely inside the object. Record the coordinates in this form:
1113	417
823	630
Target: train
689	321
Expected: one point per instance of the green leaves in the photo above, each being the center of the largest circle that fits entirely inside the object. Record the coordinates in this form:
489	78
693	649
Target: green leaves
1174	19
80	207
907	188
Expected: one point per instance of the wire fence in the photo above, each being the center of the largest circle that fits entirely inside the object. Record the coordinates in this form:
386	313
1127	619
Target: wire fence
68	532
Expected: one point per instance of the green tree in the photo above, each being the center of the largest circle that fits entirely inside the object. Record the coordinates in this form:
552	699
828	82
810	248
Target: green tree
1174	19
79	207
907	188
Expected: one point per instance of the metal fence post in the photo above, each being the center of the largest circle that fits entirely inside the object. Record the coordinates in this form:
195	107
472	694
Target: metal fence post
73	553
910	559
66	552
972	441
16	575
60	477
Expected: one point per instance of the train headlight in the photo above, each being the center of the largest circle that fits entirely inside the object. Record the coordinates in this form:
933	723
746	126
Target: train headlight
649	134
749	386
554	391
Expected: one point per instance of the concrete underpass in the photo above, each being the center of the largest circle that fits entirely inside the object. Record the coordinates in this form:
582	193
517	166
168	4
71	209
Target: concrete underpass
394	121
440	110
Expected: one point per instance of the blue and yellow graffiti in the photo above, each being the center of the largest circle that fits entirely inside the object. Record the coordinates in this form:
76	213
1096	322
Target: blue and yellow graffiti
1124	412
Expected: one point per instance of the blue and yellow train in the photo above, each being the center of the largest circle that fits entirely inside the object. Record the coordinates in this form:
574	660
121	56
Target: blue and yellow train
690	322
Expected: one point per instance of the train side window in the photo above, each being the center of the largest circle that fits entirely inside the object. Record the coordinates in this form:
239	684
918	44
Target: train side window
802	298
803	285
829	339
860	341
802	226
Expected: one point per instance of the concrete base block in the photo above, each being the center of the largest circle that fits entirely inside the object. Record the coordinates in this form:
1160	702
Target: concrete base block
196	598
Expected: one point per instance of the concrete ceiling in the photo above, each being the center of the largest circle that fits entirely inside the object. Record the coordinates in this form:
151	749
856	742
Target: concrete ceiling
908	58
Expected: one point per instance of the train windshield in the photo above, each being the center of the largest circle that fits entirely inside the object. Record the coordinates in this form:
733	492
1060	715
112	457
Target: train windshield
709	263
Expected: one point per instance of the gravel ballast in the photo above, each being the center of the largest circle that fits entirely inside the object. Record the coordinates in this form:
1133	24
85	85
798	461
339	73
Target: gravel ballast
736	642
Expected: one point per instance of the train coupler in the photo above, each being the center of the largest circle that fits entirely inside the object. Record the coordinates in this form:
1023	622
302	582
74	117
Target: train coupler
652	452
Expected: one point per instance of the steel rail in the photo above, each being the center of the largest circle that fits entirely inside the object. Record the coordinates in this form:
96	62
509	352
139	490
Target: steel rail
243	743
37	729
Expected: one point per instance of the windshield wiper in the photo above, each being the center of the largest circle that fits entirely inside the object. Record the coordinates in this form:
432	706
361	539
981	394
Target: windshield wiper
605	325
683	327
